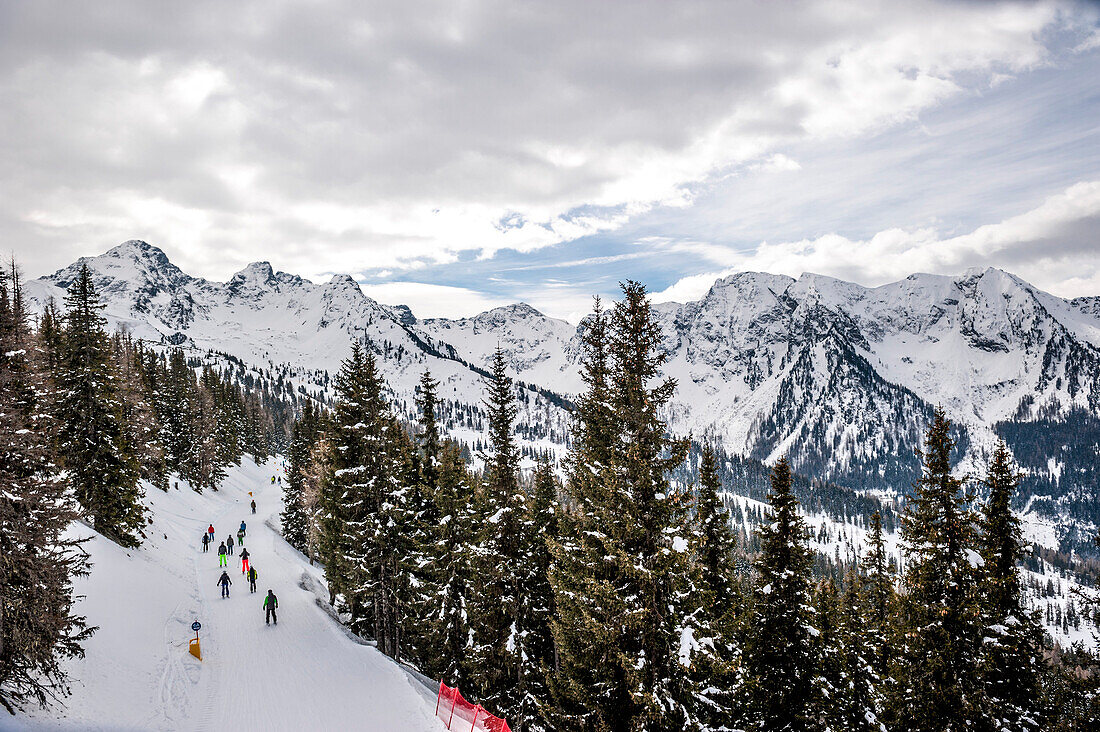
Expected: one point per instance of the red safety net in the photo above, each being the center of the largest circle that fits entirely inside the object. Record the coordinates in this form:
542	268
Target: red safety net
458	712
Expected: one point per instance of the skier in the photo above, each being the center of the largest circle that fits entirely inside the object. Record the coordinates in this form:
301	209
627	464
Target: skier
229	544
240	537
211	532
243	529
244	561
223	561
252	580
224	581
273	480
270	603
280	480
253	506
205	541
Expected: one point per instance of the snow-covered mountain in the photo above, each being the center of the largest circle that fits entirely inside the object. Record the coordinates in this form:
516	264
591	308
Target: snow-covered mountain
841	377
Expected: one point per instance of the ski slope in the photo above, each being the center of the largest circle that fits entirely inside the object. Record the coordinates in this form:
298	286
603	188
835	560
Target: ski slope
304	673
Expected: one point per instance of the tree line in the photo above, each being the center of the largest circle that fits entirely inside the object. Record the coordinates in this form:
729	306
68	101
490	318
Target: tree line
85	416
616	599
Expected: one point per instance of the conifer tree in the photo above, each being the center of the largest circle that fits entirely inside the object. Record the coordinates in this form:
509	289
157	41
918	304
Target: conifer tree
342	489
619	572
827	649
878	600
505	568
779	667
716	543
936	681
92	439
448	608
717	601
1011	653
295	519
38	630
431	441
540	650
422	520
858	706
582	573
177	409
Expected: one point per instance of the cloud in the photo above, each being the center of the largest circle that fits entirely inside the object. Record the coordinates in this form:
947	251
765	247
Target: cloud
1057	241
341	136
433	301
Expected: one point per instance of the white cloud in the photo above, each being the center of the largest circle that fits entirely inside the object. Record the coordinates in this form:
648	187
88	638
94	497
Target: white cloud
1057	240
345	136
432	301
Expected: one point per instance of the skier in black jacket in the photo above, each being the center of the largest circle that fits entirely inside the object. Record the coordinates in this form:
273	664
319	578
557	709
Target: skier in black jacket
252	580
229	544
205	541
224	581
270	603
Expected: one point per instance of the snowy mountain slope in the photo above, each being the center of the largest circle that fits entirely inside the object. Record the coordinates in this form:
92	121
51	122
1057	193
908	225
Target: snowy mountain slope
840	376
304	673
273	319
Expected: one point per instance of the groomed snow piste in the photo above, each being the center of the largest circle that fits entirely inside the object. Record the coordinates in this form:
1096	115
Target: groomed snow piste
306	673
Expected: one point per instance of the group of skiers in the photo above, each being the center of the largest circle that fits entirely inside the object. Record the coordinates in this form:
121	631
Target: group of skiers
224	552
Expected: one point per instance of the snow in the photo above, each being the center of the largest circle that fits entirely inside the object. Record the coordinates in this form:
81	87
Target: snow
304	673
974	558
974	343
688	645
679	544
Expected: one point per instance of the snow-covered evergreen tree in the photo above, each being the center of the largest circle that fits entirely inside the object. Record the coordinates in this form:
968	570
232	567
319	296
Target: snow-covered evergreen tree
779	665
449	606
38	629
295	519
937	684
505	567
620	569
713	651
91	436
879	598
1011	652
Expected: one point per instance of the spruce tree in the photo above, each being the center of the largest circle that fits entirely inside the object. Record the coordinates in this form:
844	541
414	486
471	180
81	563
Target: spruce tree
137	413
542	656
717	601
936	678
878	600
827	648
38	630
505	570
422	520
858	704
620	568
1011	653
448	608
91	435
295	519
779	666
177	408
582	573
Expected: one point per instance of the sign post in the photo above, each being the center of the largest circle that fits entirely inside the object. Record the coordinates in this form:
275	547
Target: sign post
194	645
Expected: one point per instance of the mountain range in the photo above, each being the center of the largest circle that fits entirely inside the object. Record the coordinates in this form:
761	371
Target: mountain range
840	377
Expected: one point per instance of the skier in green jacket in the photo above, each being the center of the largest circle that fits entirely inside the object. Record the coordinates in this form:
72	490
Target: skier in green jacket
270	603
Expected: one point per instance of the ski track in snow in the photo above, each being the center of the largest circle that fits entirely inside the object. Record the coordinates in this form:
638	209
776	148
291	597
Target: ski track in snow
303	674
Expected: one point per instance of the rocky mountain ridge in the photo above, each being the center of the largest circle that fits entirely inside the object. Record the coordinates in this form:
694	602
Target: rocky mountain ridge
841	377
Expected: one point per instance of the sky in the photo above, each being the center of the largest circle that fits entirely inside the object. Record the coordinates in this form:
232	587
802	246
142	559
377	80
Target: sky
455	156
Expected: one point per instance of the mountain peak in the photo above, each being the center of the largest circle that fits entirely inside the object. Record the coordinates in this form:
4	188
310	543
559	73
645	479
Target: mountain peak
344	282
260	271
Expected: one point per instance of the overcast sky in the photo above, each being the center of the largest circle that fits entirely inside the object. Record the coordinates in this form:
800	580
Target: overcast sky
455	156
